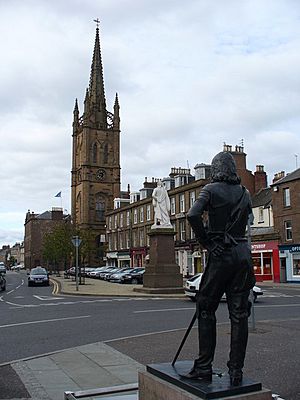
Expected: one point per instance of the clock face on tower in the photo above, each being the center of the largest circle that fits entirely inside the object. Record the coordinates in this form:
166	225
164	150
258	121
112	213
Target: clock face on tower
100	175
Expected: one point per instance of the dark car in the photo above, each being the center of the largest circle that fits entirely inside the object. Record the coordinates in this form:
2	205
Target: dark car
135	276
38	276
2	282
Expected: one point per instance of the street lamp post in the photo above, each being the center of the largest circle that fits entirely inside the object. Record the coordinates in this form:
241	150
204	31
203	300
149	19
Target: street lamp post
76	242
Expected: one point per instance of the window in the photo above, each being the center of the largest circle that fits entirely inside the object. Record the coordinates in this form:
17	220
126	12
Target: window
192	234
181	202
94	153
142	237
134	238
128	218
148	229
142	214
109	223
100	209
286	197
296	264
148	212
127	240
121	241
261	214
135	216
182	230
288	230
173	206
121	220
192	198
116	222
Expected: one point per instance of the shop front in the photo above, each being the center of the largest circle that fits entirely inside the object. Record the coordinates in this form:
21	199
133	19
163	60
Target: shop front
265	257
112	259
138	257
290	262
123	259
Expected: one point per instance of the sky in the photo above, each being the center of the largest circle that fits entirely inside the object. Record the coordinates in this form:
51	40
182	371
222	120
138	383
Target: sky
190	75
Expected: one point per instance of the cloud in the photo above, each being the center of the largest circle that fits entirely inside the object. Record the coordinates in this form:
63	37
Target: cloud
190	76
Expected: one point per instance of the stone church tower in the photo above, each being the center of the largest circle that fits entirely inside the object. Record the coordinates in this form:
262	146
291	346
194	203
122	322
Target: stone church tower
95	161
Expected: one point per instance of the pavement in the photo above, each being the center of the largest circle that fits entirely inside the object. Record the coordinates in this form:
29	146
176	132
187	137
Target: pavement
96	365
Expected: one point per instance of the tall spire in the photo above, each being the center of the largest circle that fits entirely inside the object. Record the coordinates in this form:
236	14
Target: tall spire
96	86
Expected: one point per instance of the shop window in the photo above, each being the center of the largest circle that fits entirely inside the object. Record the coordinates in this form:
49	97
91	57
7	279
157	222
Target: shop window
286	197
288	230
296	264
267	263
262	263
256	263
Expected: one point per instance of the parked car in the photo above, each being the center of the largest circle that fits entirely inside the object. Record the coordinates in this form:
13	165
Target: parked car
108	274
191	288
105	271
70	271
117	276
2	282
17	267
38	276
135	276
2	268
96	272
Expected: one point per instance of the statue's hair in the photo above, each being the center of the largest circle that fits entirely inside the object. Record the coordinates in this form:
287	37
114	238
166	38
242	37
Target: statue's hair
223	169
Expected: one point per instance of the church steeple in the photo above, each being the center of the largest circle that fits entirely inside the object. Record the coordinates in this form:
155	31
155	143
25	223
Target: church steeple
97	102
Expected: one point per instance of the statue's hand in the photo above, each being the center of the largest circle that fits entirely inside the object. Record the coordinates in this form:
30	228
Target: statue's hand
215	248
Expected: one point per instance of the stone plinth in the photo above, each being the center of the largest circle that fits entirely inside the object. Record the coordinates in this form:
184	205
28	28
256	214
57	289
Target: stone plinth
162	381
162	274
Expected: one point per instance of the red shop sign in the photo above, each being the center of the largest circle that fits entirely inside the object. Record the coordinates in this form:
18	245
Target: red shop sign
260	246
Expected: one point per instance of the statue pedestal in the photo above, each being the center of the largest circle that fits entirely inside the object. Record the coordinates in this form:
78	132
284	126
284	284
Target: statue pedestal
162	381
162	274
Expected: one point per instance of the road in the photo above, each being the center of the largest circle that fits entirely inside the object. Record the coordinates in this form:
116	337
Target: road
34	322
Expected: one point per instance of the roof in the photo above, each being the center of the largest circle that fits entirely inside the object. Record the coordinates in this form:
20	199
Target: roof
45	215
263	198
289	177
262	230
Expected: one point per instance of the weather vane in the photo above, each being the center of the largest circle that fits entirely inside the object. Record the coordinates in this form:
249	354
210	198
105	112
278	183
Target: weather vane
97	22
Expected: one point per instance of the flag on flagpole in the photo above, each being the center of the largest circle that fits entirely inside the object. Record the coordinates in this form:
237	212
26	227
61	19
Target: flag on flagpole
58	194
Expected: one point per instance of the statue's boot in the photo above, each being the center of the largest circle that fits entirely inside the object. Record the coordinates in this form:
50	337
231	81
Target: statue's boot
239	338
202	368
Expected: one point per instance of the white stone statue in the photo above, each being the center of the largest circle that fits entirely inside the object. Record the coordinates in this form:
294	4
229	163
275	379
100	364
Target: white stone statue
161	205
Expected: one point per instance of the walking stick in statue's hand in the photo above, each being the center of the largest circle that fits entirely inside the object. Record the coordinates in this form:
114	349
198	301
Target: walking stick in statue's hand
185	337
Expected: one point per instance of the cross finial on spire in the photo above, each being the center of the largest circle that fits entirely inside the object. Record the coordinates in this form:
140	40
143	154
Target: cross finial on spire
97	22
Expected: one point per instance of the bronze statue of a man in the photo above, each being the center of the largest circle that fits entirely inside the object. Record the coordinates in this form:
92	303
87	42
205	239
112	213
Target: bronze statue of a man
229	268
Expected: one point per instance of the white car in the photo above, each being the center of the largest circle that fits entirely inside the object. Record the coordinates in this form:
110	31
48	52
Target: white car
191	288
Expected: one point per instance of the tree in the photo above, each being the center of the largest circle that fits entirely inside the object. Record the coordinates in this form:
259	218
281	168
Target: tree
57	246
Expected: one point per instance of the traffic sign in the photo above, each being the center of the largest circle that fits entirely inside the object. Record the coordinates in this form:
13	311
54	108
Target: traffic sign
76	241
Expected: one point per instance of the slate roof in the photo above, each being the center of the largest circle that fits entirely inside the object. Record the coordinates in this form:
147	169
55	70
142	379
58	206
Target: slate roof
263	198
289	177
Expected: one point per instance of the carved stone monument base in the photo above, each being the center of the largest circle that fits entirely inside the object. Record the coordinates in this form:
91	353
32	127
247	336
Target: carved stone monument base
162	274
163	381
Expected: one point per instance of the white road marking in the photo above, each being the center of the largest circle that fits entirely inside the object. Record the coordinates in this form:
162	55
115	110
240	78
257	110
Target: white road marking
164	309
47	297
43	321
